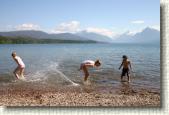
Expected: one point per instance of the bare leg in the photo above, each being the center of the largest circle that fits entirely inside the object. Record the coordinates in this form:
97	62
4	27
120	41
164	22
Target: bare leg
128	76
121	77
21	73
122	74
86	73
15	72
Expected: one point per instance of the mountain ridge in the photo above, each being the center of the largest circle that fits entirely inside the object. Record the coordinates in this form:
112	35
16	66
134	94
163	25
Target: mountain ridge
42	35
147	35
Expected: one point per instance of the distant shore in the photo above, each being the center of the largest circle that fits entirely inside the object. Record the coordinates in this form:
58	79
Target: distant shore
29	40
39	95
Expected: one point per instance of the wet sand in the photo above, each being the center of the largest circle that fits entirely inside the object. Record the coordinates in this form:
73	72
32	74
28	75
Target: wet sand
38	94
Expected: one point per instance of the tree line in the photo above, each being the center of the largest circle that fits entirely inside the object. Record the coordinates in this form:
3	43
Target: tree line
27	40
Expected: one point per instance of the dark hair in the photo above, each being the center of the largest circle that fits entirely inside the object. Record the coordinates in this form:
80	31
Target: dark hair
13	53
124	56
97	62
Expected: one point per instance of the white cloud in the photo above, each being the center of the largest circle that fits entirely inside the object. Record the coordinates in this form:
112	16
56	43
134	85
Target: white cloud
27	26
102	31
74	27
137	22
133	32
157	27
67	27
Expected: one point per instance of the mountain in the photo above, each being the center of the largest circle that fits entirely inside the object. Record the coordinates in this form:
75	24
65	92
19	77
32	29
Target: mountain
67	36
26	33
42	35
148	35
94	36
123	38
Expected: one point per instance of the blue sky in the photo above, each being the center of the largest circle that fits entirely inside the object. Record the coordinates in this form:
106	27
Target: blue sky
108	17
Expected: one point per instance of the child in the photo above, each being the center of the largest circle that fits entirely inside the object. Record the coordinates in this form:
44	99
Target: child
88	63
20	68
125	63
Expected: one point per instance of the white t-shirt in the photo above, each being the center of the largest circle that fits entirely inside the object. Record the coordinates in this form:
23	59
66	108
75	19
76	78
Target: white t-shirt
20	61
88	62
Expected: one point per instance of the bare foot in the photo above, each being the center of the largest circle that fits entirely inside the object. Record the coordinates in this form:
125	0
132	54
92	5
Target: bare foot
22	78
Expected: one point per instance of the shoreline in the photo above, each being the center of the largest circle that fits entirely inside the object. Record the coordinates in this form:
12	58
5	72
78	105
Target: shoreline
36	94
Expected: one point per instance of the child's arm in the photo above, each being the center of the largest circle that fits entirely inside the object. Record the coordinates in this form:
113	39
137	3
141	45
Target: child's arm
130	65
121	65
80	67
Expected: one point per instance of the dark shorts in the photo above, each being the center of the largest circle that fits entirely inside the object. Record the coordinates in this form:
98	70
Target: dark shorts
124	71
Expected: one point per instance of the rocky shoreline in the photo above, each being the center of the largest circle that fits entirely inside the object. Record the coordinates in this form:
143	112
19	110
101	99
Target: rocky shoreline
40	95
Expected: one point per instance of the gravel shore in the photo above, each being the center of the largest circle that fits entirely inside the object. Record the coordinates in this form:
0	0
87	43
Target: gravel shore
40	95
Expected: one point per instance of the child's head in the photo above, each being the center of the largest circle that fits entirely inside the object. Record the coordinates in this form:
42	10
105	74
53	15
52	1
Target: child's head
124	57
13	54
97	63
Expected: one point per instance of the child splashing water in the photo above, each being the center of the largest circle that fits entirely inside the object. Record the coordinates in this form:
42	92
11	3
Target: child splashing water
86	64
20	68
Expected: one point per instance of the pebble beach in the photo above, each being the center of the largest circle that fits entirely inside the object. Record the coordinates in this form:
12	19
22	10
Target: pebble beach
31	94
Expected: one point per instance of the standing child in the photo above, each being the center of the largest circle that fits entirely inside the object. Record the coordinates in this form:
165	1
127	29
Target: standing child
126	64
88	63
20	68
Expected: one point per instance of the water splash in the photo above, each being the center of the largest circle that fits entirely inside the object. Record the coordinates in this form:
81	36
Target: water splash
54	67
66	78
48	72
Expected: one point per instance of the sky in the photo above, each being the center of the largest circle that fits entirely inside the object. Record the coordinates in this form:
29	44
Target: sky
107	17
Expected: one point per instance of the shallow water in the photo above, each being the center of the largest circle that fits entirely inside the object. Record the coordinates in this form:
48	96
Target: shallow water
57	64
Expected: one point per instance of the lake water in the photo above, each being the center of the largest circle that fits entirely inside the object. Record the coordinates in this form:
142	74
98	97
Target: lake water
58	63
